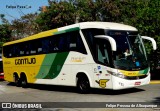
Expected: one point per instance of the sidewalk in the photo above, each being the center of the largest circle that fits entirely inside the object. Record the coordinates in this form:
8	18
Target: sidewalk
155	82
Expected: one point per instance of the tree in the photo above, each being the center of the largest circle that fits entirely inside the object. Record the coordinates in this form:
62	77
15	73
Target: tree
62	13
58	14
25	26
5	32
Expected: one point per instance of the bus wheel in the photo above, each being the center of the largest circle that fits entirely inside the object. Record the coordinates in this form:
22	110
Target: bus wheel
17	80
83	85
24	82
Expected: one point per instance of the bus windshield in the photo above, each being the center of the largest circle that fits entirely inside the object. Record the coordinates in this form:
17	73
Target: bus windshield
130	54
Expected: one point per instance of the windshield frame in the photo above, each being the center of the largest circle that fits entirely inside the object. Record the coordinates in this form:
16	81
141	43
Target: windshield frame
90	34
127	34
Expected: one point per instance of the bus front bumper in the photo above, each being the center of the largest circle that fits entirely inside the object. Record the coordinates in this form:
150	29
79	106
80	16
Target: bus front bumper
119	83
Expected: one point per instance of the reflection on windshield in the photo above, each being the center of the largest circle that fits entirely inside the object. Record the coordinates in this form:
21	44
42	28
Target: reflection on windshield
130	54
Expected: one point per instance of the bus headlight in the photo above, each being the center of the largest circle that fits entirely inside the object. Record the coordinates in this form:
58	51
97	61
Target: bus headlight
120	75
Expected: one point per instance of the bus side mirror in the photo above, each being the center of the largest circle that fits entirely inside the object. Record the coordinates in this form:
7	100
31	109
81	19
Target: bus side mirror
110	39
152	40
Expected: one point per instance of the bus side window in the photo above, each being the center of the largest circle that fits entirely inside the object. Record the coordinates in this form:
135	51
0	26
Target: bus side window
16	51
10	48
76	43
39	50
7	51
27	48
22	48
38	46
53	47
61	43
33	48
66	42
45	45
73	43
80	45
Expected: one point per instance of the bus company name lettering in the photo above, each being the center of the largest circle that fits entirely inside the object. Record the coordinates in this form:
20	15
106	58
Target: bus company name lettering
25	61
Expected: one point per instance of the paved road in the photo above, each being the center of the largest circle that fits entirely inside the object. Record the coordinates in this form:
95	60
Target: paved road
43	93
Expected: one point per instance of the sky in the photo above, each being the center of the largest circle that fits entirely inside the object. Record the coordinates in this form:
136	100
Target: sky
14	9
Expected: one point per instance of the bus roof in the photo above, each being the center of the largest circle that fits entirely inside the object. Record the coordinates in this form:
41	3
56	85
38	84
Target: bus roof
82	25
107	25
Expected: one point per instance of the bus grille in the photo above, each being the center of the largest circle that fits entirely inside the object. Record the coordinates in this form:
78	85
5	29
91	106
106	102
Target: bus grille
135	77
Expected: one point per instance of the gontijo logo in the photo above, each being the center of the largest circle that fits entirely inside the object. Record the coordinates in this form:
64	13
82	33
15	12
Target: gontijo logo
25	61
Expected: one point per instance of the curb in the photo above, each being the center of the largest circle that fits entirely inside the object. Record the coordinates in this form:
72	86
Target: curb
155	82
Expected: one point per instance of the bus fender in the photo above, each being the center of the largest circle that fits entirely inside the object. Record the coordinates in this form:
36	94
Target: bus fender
87	75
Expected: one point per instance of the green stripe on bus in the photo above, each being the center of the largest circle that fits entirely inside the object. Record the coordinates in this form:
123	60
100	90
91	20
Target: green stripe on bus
59	32
56	65
46	65
72	29
68	30
145	71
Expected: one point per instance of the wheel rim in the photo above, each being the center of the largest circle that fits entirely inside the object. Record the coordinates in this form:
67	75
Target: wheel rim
24	82
83	85
16	80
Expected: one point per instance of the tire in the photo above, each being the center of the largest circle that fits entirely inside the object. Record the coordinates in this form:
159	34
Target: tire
83	85
17	81
24	82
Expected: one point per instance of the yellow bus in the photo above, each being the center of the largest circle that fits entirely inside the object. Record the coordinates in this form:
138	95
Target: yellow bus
87	55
